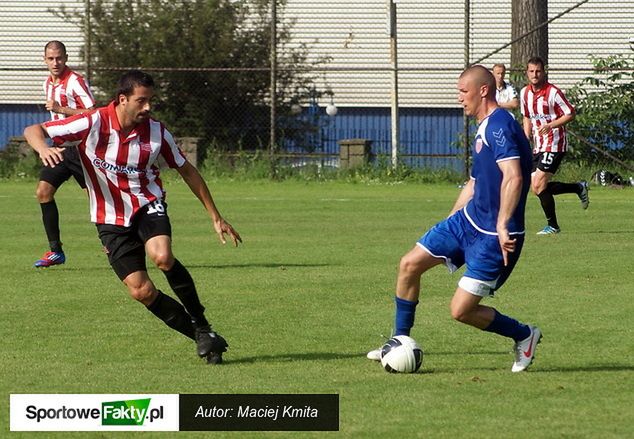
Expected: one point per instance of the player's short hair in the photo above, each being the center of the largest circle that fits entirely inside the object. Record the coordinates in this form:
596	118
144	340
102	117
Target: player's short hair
483	77
55	45
132	79
499	64
535	60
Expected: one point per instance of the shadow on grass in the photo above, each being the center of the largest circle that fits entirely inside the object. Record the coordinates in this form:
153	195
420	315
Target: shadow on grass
329	356
532	370
592	368
258	265
304	356
106	266
610	232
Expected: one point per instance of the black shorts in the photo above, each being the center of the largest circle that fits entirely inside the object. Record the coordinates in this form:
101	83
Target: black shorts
67	168
548	161
125	246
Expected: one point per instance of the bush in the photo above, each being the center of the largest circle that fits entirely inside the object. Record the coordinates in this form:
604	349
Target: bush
605	110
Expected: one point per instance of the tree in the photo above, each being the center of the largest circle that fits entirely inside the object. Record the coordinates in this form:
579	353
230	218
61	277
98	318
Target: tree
605	108
528	15
209	59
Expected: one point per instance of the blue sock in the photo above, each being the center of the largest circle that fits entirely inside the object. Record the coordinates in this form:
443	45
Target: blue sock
508	327
405	313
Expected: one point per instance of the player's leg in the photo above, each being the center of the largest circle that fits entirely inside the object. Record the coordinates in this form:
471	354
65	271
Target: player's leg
45	194
172	313
155	230
50	180
485	275
159	250
539	185
579	188
439	245
411	268
466	308
126	255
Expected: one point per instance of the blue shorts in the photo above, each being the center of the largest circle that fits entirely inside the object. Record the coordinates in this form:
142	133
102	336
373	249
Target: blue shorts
458	242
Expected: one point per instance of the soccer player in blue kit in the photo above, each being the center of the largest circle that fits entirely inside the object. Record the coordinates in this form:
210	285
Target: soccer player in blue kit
485	229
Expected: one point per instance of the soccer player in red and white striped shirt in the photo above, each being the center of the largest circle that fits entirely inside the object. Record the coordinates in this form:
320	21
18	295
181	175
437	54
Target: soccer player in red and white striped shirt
67	93
546	111
119	146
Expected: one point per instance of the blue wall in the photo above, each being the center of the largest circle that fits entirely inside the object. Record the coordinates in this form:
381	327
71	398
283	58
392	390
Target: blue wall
14	118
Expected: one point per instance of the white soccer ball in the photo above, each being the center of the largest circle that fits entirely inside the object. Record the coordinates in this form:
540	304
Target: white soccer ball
331	110
401	354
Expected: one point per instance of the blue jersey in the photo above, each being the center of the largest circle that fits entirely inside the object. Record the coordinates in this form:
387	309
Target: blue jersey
499	138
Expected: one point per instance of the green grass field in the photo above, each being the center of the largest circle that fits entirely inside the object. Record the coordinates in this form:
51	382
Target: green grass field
307	295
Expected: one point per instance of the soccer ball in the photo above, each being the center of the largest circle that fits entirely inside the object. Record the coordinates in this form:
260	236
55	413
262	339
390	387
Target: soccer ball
401	354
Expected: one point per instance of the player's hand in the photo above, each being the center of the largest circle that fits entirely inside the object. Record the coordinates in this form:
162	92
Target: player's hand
52	105
222	227
506	244
544	129
52	156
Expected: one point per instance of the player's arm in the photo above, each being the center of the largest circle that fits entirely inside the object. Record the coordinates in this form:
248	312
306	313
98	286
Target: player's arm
544	129
36	136
67	111
465	195
528	128
198	186
510	192
510	104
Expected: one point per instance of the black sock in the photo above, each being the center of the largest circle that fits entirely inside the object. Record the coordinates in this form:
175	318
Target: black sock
548	205
173	314
50	218
556	188
183	286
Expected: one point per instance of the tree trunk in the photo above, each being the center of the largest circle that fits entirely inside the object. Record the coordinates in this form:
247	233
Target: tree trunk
528	15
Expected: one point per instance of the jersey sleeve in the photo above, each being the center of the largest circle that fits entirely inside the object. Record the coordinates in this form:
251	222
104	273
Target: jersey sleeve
81	94
500	138
563	107
172	154
71	129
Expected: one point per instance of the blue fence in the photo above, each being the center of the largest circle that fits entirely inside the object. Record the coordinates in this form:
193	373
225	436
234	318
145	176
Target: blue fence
428	137
14	118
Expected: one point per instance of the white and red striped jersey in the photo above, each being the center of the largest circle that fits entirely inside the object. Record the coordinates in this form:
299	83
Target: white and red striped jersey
70	91
542	107
121	174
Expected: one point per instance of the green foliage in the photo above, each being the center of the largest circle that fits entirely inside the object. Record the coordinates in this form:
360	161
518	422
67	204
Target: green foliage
605	109
258	165
181	43
17	162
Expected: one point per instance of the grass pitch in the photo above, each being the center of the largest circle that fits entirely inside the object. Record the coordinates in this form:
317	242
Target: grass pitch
307	295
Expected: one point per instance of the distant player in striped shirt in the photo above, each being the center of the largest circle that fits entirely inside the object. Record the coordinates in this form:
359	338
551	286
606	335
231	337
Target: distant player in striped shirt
67	93
546	111
119	146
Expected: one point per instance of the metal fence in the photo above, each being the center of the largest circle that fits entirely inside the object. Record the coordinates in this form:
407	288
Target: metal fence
364	65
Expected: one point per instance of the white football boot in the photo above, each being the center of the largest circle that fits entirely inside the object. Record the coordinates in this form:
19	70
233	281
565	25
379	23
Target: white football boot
374	355
525	350
583	196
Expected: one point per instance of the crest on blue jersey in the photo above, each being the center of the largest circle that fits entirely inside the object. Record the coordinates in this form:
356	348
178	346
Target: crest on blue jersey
478	145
